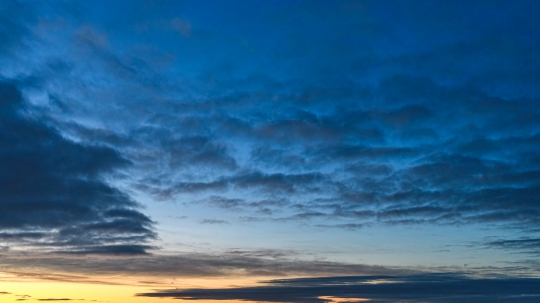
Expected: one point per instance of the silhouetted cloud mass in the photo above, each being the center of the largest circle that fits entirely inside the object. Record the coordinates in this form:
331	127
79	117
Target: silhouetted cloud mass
54	192
447	288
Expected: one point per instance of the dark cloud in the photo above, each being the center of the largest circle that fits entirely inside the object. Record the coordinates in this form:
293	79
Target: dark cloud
265	207
22	235
226	203
421	288
524	245
199	150
54	191
254	181
114	250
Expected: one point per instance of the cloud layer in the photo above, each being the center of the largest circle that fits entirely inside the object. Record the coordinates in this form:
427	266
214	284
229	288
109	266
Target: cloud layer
447	288
54	193
342	115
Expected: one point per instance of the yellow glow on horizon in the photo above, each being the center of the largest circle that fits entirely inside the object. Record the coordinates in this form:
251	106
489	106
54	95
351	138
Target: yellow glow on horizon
76	292
23	288
120	288
32	291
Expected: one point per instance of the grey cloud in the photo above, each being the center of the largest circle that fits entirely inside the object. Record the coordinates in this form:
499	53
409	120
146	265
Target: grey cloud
264	253
307	216
253	263
347	226
214	221
226	203
266	207
422	211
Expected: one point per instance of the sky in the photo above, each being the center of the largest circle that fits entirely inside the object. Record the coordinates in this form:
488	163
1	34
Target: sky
270	151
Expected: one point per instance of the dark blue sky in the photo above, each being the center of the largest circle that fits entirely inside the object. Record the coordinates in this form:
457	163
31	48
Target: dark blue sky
400	134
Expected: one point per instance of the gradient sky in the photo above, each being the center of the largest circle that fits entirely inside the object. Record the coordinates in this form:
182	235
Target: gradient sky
270	151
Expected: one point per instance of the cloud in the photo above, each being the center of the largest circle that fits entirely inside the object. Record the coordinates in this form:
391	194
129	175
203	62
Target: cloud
188	151
54	192
525	245
214	221
181	26
113	250
247	263
420	288
266	206
350	121
15	29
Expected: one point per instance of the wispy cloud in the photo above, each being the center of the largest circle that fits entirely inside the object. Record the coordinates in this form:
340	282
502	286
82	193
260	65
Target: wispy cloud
214	221
250	263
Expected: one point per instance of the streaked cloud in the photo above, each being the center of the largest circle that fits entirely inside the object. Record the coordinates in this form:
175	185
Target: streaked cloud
420	288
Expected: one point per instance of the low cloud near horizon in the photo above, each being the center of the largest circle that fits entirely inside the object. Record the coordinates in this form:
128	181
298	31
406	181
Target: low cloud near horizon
427	288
